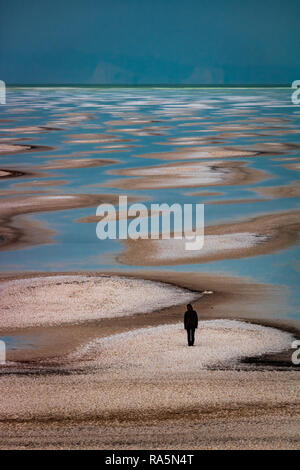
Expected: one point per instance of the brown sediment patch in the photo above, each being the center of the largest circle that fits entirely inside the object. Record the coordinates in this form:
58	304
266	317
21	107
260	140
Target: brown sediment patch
289	191
193	123
207	140
292	166
269	119
77	163
12	234
19	206
101	150
143	131
192	140
187	174
116	147
97	218
285	159
13	139
20	232
132	122
187	117
6	173
30	129
18	148
204	193
10	173
118	215
254	237
13	192
233	135
241	127
195	153
94	139
41	183
279	132
72	118
273	148
234	201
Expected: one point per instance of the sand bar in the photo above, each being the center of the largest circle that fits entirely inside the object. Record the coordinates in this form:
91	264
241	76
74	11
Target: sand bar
17	233
186	174
65	299
17	148
257	236
200	152
77	163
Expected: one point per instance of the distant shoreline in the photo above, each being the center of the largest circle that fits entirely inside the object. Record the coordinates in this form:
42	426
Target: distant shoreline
145	85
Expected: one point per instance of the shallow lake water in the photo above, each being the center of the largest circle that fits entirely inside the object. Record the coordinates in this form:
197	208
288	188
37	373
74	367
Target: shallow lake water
128	123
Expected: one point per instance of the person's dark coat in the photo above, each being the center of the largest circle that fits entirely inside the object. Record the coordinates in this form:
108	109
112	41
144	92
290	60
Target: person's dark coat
190	319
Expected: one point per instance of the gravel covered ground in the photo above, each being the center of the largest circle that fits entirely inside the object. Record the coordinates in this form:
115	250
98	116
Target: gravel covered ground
144	387
56	300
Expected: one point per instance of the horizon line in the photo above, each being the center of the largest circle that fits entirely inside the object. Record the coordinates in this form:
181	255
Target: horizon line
147	85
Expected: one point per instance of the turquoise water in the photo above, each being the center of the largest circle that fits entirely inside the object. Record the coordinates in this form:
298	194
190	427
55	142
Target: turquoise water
172	110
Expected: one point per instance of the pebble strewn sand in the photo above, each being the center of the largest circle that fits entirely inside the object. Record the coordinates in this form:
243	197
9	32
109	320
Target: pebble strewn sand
213	244
70	299
162	351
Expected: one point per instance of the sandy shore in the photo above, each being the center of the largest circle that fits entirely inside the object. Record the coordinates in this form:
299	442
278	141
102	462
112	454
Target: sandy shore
121	386
253	237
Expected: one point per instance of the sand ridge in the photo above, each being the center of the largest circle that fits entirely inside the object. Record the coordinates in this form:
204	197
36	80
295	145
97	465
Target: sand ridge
260	235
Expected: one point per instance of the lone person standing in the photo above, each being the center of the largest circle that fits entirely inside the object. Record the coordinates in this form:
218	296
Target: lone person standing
190	324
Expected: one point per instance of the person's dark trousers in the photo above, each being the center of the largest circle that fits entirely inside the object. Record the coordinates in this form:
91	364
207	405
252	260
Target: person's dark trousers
191	336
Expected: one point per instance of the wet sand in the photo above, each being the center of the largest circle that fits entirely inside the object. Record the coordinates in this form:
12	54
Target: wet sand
293	166
204	193
77	163
11	149
29	129
256	236
234	201
287	191
95	139
11	174
18	232
40	183
199	152
80	401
